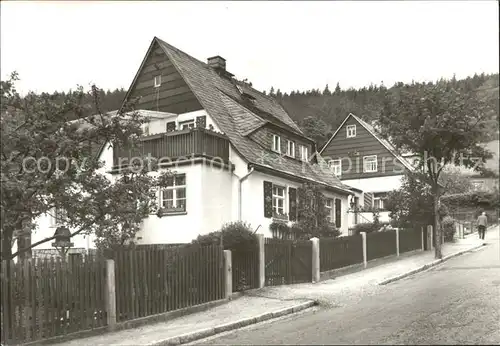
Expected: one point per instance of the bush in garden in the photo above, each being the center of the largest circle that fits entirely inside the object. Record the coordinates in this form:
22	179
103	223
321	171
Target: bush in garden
235	236
368	227
448	227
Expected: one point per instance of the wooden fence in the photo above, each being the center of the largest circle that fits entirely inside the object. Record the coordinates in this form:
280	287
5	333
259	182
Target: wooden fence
340	252
245	264
287	261
410	239
380	244
154	280
47	298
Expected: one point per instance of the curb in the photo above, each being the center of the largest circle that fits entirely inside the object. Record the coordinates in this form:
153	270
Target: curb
205	333
428	265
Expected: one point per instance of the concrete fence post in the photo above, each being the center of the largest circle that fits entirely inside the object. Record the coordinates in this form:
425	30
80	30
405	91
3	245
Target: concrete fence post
422	237
110	294
430	237
315	260
363	237
228	274
262	260
397	242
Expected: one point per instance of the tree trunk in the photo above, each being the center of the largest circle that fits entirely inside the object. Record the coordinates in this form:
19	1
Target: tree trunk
6	244
437	226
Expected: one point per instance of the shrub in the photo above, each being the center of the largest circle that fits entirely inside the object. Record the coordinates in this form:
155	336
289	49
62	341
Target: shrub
448	227
279	229
235	236
368	227
329	231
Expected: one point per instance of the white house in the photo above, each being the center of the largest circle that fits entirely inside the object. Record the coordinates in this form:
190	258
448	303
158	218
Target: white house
236	153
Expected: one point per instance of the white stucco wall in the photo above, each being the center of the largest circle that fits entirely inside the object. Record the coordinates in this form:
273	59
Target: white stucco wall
45	225
216	198
253	202
177	228
376	184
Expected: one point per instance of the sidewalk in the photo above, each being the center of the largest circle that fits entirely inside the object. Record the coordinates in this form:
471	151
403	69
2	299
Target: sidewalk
351	287
259	305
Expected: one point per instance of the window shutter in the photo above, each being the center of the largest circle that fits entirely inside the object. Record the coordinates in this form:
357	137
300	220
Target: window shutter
268	199
368	200
292	202
171	126
338	212
201	122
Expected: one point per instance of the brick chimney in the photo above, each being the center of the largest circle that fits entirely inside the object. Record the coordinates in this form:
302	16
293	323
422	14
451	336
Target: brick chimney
218	63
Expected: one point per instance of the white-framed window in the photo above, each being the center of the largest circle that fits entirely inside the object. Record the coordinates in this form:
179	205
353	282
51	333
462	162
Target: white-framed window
173	196
276	144
304	154
329	206
188	124
157	81
290	151
336	166
145	129
279	199
378	203
58	217
351	131
370	163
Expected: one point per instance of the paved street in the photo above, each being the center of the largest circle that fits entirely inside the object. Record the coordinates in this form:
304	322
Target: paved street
457	302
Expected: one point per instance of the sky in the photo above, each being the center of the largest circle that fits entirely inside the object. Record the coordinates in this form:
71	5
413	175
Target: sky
288	45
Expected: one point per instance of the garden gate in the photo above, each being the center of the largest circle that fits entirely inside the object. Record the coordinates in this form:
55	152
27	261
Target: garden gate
288	261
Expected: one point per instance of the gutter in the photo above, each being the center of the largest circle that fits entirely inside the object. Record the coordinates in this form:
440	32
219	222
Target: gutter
240	181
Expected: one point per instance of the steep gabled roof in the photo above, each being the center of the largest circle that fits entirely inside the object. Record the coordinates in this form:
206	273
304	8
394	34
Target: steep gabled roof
377	136
222	98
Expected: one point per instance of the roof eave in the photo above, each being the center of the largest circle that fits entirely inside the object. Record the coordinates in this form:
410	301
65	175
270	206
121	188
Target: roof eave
266	169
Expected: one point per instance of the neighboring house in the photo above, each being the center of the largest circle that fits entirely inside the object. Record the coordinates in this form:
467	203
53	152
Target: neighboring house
361	158
235	152
488	183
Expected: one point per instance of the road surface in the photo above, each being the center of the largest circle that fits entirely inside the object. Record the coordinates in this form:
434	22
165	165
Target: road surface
457	302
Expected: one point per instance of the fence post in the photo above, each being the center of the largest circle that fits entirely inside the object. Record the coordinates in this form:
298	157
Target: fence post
262	260
228	273
430	237
315	260
397	242
363	236
110	294
422	236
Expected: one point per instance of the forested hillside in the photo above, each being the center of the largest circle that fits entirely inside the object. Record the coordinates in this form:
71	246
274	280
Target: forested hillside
320	112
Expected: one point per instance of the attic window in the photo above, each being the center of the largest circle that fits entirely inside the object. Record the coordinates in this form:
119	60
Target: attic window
351	131
276	144
244	95
157	81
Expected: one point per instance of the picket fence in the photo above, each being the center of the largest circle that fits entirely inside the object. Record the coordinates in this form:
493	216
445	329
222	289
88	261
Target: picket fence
41	299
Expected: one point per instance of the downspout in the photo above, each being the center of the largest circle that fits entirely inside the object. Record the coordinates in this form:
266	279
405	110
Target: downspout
239	191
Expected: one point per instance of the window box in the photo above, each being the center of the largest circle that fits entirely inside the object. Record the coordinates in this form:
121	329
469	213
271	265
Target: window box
171	211
280	217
